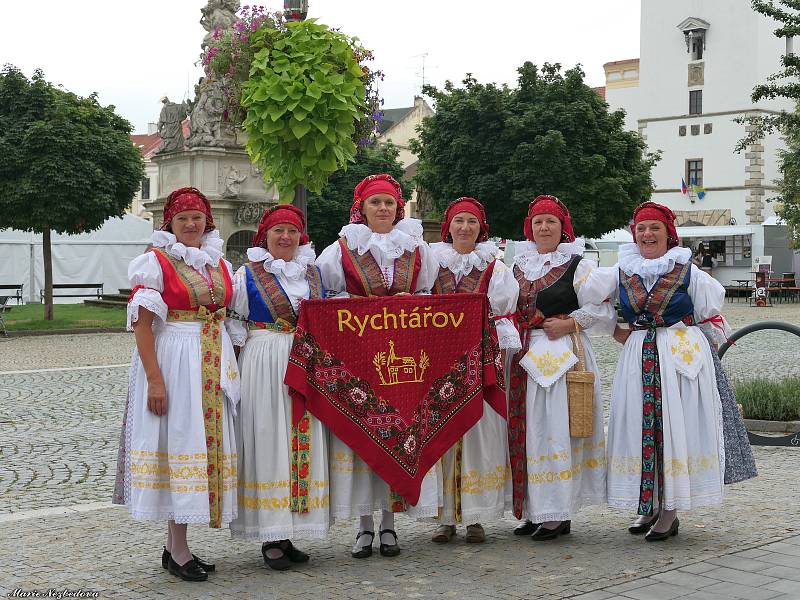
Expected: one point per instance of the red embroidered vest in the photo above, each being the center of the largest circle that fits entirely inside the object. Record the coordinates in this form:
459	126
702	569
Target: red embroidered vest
363	276
185	288
475	281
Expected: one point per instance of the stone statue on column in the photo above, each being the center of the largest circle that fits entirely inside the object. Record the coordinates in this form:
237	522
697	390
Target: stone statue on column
208	125
170	128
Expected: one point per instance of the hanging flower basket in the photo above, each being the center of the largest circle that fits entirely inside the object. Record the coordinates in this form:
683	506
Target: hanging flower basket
301	91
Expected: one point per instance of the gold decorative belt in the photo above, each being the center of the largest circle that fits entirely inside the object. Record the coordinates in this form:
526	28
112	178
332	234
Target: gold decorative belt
211	351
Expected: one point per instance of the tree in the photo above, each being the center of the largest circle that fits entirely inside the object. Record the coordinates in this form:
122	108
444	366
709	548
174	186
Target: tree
788	185
330	209
66	163
551	134
783	84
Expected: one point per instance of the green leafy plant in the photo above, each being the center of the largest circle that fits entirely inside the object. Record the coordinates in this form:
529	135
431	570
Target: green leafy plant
307	102
770	400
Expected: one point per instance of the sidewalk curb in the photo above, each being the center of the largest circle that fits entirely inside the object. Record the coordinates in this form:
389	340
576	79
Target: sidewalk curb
34	333
761	426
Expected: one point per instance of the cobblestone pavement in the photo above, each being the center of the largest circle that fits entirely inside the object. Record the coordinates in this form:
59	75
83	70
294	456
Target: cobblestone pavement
58	435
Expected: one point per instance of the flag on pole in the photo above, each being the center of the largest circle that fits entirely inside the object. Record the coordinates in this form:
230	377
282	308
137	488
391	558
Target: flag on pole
684	189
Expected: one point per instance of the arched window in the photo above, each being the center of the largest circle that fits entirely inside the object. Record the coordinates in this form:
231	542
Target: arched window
236	247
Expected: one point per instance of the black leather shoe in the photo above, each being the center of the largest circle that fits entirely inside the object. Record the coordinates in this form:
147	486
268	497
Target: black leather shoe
542	533
639	528
653	536
206	566
366	551
282	563
188	572
527	528
389	549
295	555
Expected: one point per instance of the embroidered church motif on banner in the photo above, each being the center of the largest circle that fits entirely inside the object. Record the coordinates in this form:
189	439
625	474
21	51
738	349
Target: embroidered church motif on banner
398	379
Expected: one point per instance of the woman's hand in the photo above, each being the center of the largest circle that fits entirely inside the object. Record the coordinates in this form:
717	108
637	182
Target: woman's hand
157	397
555	328
621	335
402	294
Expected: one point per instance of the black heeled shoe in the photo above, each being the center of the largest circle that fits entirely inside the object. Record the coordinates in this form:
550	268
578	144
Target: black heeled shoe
295	555
639	528
527	528
389	549
542	533
654	536
206	566
281	563
191	571
365	551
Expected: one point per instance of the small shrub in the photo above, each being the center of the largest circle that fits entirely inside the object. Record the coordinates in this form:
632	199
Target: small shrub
769	400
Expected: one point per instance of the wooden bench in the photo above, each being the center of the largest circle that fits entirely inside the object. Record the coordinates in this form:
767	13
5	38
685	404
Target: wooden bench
15	287
97	293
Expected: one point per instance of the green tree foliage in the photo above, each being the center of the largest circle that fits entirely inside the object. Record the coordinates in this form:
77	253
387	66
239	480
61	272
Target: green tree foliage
783	84
788	185
329	210
66	163
551	134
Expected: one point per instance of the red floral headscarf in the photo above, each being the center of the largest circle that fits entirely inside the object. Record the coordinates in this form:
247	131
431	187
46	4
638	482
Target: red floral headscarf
283	213
652	211
549	205
376	184
468	205
187	198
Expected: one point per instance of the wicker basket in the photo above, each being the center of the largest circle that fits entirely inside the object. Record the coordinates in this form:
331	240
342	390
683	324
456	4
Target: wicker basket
580	393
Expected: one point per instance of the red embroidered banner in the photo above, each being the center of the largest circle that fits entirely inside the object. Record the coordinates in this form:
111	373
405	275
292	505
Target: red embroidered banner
399	379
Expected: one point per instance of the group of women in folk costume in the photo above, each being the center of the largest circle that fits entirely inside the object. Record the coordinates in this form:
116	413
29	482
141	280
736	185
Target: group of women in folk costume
207	438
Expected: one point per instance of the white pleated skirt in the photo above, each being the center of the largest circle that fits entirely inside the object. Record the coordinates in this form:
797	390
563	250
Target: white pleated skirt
565	474
485	473
165	473
263	438
694	450
356	491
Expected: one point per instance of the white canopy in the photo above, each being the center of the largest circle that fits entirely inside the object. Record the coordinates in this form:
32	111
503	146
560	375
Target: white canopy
101	256
711	231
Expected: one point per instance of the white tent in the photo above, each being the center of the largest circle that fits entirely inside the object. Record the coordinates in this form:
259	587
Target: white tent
101	256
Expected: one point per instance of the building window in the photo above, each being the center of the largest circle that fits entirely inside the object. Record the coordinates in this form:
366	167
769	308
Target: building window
696	102
146	188
697	47
694	171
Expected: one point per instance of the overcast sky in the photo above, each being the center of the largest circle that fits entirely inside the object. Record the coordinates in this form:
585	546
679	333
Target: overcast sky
131	52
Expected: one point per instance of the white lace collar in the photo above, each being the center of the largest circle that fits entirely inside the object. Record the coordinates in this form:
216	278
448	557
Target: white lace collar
292	269
405	236
535	265
462	264
633	263
209	252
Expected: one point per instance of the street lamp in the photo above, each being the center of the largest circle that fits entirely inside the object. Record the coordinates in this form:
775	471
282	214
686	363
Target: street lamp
296	10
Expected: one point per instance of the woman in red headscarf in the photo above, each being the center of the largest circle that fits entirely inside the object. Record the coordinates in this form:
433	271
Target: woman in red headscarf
475	470
556	468
176	459
379	253
283	470
665	438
